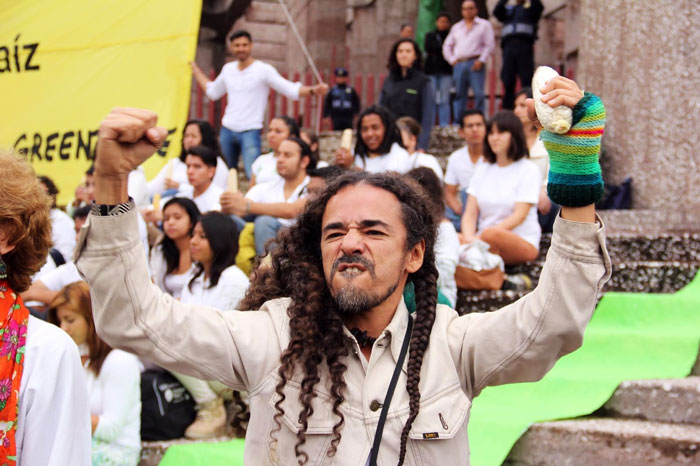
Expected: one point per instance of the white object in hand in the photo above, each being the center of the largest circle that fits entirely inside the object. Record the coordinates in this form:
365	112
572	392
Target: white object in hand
169	169
346	139
558	119
232	181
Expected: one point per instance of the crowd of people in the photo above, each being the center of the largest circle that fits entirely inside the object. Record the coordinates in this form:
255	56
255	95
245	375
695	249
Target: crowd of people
206	241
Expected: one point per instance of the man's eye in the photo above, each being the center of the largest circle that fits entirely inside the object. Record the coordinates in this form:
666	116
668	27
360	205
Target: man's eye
334	235
375	232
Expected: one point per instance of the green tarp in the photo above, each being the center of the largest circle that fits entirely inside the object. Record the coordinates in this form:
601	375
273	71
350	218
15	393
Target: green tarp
631	336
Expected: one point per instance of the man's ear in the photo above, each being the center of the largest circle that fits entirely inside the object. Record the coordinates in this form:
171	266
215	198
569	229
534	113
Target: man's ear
212	172
414	261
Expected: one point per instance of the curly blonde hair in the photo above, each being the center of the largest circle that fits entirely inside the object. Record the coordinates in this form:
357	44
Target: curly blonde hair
24	220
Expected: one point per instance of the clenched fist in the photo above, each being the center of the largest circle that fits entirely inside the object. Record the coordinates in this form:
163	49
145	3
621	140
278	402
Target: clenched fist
127	137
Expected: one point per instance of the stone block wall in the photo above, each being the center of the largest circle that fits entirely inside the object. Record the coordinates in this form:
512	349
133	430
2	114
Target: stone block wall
644	61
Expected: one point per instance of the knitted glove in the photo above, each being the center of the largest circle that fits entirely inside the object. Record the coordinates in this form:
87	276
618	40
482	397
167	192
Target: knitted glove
575	179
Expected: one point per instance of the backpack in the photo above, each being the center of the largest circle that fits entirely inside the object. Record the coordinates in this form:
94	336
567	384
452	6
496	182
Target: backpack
167	408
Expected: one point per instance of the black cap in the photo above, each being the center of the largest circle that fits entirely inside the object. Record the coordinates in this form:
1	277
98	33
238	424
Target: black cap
340	71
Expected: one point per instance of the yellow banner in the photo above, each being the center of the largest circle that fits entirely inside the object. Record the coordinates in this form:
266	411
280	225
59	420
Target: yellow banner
65	64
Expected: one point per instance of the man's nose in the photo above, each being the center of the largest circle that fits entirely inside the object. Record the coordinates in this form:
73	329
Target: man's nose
352	243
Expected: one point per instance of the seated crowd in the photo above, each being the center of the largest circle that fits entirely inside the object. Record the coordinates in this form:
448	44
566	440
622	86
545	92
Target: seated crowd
208	237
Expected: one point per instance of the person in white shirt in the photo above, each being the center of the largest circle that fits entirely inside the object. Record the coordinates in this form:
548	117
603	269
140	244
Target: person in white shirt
201	167
170	258
447	241
410	130
462	163
214	281
546	210
173	175
379	147
44	419
247	83
265	166
276	203
113	380
62	235
503	194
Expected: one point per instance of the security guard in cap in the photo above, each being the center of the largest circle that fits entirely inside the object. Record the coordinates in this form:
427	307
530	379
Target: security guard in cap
342	102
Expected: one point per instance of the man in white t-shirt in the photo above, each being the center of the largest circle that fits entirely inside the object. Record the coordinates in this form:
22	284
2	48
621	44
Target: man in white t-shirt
201	167
247	82
462	163
276	203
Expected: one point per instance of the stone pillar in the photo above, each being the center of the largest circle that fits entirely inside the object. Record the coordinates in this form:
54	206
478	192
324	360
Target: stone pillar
644	61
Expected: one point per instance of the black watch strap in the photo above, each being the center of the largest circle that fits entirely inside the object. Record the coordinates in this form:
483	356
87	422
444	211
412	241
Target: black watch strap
105	210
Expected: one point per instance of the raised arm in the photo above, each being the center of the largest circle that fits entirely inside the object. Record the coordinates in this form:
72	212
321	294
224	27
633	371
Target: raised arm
521	342
133	314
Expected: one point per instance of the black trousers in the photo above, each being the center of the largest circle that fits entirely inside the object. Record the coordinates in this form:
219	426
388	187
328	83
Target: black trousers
340	123
518	60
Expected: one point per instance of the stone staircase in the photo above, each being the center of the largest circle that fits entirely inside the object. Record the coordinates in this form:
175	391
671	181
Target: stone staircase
646	422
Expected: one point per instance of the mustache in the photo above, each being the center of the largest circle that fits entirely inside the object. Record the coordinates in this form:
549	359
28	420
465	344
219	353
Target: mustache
352	260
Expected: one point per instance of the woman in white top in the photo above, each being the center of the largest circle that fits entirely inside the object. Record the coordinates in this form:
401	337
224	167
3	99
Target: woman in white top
447	242
113	381
174	173
503	194
546	211
379	147
170	258
264	168
410	130
215	281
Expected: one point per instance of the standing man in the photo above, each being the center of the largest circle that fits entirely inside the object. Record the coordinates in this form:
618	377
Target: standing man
247	82
342	102
462	163
437	69
406	31
331	323
518	38
467	47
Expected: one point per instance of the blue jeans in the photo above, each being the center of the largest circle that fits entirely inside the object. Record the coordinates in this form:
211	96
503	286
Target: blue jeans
266	228
465	78
456	217
235	143
442	84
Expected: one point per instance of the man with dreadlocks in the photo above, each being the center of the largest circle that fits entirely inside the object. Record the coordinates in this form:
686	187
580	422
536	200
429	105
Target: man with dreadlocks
329	326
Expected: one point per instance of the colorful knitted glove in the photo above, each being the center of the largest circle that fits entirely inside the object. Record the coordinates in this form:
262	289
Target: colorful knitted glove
575	179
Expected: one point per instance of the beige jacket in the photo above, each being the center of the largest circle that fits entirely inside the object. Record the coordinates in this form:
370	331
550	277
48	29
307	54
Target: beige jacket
242	349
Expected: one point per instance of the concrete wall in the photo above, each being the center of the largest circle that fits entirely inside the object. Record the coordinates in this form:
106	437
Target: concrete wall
645	64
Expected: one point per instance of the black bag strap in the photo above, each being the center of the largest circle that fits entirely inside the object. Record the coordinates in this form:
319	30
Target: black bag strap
389	394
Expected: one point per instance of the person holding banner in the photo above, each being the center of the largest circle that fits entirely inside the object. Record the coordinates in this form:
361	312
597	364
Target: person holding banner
247	82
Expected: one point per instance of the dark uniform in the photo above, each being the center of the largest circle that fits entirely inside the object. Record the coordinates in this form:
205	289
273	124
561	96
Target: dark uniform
518	42
342	104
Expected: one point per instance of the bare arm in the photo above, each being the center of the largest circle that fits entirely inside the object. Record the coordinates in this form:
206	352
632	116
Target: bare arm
518	216
39	292
199	76
469	220
452	199
278	209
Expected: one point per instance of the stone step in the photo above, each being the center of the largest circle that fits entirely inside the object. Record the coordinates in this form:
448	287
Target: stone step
603	441
661	400
638	277
662	247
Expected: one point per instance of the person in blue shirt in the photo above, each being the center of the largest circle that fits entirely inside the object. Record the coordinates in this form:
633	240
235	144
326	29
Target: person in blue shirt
342	102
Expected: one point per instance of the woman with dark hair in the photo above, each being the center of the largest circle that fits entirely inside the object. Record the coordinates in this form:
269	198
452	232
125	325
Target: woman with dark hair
113	380
170	257
503	194
379	147
174	174
410	132
43	414
217	282
407	91
264	168
546	211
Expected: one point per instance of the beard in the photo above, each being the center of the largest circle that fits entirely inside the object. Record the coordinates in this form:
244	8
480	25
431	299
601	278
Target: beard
354	300
351	300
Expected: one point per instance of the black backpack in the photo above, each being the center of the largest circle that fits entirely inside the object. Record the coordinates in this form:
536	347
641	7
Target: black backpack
167	408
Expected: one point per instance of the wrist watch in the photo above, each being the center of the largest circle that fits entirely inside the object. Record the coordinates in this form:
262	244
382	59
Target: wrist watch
106	210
